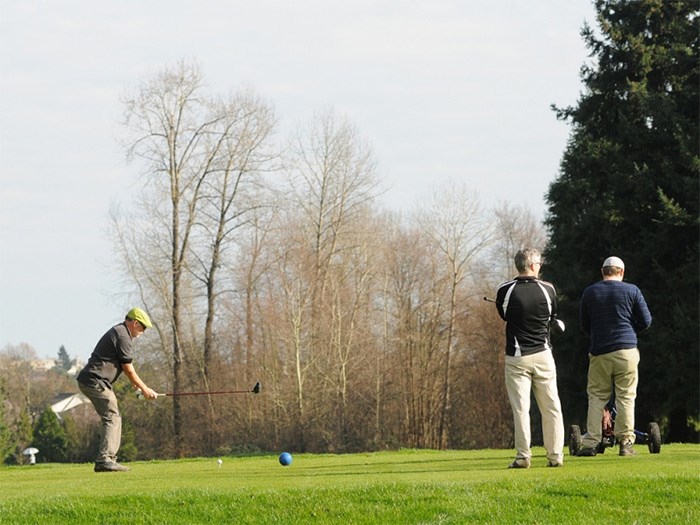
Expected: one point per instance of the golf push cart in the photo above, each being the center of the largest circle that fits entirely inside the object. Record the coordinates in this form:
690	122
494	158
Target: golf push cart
652	437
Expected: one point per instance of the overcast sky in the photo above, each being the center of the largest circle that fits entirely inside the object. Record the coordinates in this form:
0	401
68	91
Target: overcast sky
443	90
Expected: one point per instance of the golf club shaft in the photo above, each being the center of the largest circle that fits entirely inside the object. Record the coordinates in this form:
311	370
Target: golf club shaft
255	390
206	393
489	300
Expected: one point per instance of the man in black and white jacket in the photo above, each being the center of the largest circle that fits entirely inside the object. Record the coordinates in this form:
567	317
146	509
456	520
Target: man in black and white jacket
528	305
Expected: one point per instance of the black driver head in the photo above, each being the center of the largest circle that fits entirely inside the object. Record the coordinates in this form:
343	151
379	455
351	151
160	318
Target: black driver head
256	388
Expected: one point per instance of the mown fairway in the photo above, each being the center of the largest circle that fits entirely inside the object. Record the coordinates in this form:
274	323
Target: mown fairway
389	487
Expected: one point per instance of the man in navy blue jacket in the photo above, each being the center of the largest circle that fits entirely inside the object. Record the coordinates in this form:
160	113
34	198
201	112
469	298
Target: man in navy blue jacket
612	314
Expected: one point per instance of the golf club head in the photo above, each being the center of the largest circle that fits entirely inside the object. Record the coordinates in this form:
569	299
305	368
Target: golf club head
256	388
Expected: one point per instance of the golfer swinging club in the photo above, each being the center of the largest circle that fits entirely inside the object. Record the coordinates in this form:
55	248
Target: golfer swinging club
111	356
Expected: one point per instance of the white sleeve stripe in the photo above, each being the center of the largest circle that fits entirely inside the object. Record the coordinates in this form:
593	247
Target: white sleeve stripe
506	299
546	296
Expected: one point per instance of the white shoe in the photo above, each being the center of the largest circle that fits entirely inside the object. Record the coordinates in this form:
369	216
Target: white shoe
520	463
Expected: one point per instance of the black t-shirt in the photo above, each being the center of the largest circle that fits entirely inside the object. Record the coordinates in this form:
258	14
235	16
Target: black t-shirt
527	305
112	350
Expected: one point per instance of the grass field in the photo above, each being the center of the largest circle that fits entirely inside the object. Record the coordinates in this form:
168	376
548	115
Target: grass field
404	487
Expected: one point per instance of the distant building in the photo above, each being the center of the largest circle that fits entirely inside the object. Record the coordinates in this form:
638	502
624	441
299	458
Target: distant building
45	365
64	402
42	364
76	365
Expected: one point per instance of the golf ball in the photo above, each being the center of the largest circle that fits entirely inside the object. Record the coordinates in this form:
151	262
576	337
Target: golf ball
285	458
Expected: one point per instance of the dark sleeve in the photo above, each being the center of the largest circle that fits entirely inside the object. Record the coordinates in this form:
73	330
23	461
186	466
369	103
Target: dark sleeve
641	317
500	295
123	346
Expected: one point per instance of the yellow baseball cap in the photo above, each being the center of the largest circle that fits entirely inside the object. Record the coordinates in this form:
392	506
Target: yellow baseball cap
136	314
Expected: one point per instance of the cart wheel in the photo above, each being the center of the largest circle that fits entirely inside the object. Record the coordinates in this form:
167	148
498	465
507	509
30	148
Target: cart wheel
654	438
574	439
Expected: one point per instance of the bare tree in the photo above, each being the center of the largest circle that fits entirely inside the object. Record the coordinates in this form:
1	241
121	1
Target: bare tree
413	308
243	152
332	181
352	288
458	229
169	122
515	227
196	153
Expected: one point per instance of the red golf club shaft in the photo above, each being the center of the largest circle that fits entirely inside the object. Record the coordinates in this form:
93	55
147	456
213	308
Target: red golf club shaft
206	393
255	390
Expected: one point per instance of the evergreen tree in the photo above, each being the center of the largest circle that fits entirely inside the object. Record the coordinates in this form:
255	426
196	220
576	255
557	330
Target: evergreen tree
50	437
63	361
7	443
23	432
628	186
128	451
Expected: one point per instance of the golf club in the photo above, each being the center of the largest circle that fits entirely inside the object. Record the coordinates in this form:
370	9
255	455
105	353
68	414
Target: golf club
256	390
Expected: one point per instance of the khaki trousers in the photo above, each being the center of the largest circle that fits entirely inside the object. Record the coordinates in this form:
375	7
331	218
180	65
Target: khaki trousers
536	373
105	403
620	368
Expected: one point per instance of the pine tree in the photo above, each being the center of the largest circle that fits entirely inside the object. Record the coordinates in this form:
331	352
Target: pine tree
7	443
628	186
23	433
50	437
63	362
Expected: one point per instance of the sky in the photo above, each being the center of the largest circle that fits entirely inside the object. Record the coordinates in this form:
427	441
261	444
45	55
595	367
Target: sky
443	90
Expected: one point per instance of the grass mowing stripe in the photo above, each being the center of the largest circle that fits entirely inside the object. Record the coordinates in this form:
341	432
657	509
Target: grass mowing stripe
399	503
387	487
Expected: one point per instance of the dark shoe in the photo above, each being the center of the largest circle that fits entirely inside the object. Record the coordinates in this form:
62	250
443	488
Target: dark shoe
626	449
555	464
110	467
587	452
520	463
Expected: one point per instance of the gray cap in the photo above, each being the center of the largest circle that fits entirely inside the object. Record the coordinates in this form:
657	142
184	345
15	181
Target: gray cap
614	261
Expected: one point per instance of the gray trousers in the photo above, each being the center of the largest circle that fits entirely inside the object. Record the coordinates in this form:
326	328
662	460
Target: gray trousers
105	403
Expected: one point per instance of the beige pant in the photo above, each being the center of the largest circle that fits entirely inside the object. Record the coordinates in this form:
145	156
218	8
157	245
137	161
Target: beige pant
536	373
620	368
105	403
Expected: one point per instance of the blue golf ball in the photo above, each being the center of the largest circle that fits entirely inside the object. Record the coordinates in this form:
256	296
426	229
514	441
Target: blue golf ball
285	458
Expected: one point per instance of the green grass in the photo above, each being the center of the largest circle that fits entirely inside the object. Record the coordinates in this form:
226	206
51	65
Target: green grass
409	486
